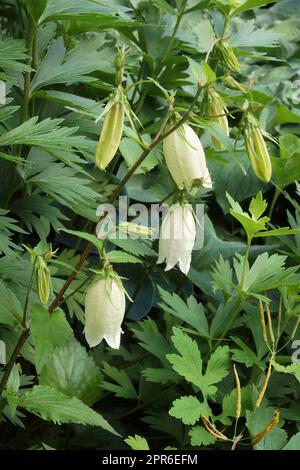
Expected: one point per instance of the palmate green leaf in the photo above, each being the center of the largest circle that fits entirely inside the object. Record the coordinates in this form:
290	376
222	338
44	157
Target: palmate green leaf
75	66
38	213
137	442
7	227
123	387
49	136
245	355
266	273
191	312
49	331
189	409
13	54
151	339
250	36
64	185
70	370
52	405
70	9
252	224
189	363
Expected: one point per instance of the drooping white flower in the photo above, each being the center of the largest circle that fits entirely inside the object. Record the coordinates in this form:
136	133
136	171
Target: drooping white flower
185	157
104	312
177	237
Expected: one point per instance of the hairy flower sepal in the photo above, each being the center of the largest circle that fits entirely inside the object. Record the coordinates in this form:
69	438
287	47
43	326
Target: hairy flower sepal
177	237
105	309
185	158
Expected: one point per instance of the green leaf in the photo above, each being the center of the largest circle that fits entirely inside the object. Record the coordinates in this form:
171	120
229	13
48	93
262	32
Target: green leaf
294	443
124	387
249	4
53	405
13	54
7	227
256	422
189	363
49	136
11	310
72	9
200	437
191	312
131	152
48	331
71	371
134	247
151	339
245	355
286	169
189	409
160	375
86	236
137	442
59	67
252	224
119	256
293	369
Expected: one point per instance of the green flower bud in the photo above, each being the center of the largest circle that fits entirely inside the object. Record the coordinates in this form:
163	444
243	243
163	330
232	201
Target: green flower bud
232	83
257	150
228	56
217	111
43	280
111	134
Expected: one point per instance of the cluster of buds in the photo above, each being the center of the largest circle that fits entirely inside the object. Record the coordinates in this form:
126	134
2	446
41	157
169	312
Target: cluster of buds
256	149
177	237
185	158
105	309
227	55
217	112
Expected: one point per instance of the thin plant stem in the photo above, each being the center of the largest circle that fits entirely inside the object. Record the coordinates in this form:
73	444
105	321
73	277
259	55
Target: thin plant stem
22	339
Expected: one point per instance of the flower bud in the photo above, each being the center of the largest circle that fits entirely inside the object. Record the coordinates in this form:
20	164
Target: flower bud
185	158
257	150
111	134
104	311
43	280
228	56
177	237
232	83
217	111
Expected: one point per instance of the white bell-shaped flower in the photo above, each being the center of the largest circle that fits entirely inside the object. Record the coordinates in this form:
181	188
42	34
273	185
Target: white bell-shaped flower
104	312
177	237
185	157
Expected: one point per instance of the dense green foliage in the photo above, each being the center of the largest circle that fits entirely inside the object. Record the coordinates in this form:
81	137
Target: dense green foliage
206	358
